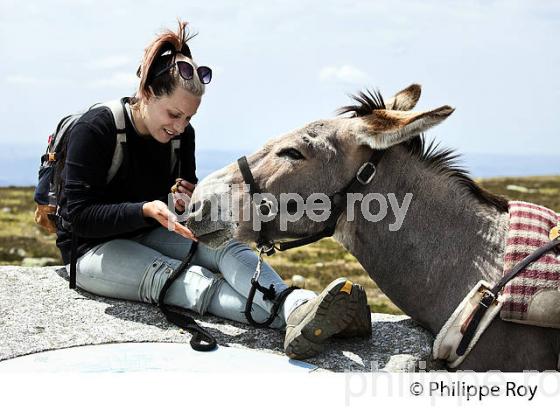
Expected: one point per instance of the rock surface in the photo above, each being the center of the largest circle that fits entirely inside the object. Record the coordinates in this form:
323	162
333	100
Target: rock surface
38	312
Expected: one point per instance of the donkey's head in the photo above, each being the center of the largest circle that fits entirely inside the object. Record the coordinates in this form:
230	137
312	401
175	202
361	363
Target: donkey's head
322	157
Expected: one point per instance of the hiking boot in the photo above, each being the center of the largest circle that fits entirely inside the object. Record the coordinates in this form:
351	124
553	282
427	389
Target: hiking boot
360	326
316	320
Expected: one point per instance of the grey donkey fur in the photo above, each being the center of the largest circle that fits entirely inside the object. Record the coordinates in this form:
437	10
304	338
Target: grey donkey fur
452	236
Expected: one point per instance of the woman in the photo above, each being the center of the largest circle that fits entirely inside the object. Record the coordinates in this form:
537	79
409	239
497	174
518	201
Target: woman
125	249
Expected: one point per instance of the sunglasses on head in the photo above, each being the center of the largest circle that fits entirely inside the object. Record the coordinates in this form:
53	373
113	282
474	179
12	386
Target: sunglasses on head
186	70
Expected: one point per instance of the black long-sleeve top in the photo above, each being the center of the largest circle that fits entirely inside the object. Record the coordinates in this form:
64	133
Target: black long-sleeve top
99	211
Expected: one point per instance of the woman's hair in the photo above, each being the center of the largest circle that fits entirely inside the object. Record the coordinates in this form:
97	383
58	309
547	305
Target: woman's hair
161	53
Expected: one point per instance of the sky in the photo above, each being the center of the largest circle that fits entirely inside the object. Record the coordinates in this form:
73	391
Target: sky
280	64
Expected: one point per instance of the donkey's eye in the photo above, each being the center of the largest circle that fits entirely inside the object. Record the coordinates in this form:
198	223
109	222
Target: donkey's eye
291	153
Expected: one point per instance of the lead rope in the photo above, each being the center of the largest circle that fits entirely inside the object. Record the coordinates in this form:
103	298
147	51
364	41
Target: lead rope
268	293
201	340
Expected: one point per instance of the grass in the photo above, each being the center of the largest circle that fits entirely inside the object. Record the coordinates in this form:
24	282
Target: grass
20	237
541	190
319	263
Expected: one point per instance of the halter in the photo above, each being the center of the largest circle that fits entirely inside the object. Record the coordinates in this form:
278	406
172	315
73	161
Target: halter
364	176
265	245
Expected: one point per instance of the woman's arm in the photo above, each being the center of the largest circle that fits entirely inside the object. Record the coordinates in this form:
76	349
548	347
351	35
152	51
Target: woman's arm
92	214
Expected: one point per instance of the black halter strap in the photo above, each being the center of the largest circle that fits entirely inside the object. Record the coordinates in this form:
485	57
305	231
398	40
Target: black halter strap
248	175
364	175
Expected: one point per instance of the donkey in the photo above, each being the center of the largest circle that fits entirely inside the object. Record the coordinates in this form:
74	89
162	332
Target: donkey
453	234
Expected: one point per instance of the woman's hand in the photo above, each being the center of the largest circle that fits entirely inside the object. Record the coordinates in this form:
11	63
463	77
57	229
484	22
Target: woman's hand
180	189
159	211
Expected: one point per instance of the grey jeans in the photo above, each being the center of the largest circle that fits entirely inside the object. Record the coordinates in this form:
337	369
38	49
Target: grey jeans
218	281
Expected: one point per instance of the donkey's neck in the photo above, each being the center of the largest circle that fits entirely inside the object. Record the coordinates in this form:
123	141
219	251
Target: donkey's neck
448	240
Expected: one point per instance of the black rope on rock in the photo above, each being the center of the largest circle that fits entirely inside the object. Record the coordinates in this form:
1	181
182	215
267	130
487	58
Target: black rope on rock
201	340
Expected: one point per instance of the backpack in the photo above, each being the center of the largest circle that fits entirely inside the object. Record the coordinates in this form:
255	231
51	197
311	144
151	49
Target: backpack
49	185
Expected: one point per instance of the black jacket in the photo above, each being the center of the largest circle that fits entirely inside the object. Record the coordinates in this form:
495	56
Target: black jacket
99	211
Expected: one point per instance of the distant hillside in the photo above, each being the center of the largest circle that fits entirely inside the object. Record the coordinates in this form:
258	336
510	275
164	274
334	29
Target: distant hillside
19	168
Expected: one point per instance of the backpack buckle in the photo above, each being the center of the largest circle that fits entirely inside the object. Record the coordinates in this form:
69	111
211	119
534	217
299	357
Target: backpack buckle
52	156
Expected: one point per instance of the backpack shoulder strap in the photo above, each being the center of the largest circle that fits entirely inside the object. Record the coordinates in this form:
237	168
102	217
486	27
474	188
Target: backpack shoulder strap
117	109
61	129
176	156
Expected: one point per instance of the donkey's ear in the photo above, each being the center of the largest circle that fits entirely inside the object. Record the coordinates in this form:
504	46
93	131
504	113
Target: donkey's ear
385	128
406	99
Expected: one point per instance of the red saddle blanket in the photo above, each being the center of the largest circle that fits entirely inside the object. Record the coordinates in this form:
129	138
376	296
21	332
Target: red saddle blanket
533	296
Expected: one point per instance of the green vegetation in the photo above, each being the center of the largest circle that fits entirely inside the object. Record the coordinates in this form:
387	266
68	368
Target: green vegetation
539	190
20	237
318	263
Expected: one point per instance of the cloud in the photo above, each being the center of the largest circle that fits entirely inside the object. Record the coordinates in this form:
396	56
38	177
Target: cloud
20	79
118	79
108	63
345	73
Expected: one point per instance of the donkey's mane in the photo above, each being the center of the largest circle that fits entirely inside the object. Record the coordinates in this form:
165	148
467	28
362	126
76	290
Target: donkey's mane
368	101
442	160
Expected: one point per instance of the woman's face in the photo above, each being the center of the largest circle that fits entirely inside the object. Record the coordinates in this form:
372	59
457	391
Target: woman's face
167	116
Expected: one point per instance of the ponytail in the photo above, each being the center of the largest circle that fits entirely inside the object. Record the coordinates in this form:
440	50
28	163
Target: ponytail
160	52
